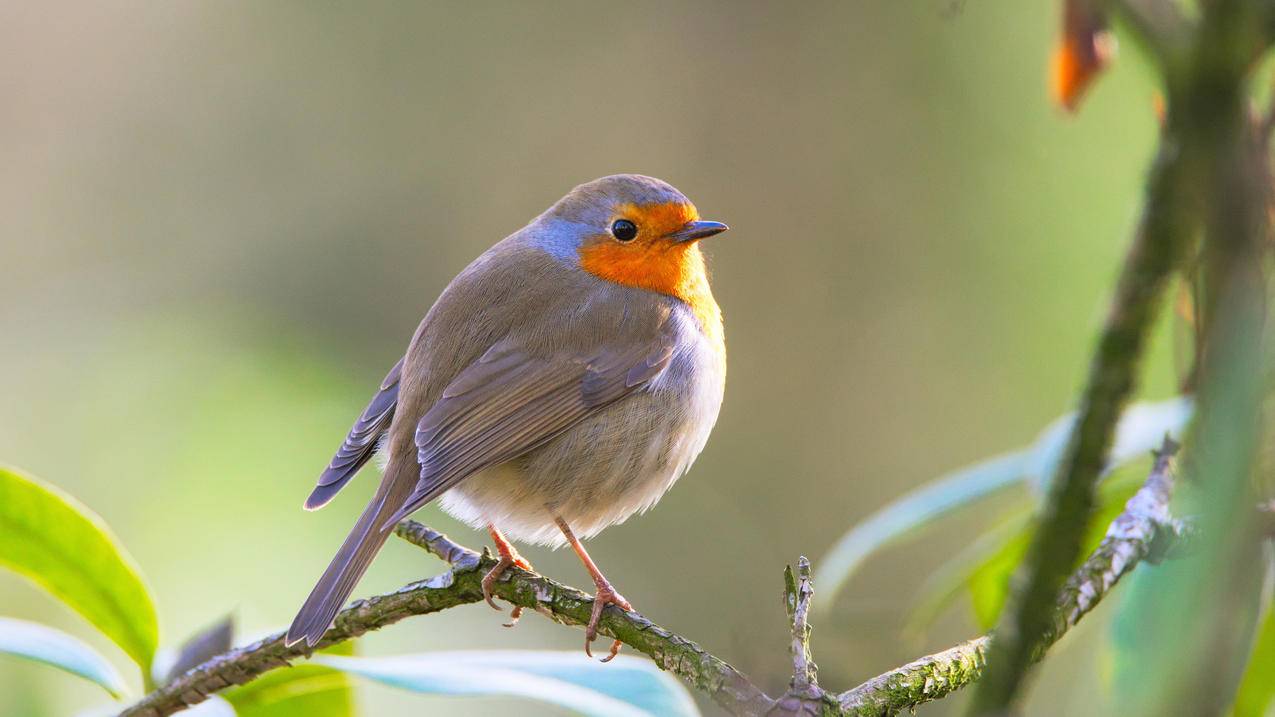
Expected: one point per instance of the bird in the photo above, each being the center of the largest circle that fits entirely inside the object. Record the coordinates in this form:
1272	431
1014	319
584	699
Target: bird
561	383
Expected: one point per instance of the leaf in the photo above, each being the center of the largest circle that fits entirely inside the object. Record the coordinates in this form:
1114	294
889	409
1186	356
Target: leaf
985	568
942	588
1257	690
196	650
62	546
306	690
625	687
1140	430
1084	50
214	706
910	514
58	649
1142	426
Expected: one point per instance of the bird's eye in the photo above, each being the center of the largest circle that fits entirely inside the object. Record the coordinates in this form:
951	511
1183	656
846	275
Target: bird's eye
623	229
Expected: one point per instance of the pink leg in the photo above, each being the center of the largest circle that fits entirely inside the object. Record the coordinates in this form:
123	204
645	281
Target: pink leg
509	557
606	594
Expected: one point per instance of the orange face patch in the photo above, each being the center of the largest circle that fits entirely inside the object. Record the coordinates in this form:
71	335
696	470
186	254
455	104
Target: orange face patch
653	261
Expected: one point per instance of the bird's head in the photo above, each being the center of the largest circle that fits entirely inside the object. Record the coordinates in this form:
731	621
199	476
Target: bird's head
632	230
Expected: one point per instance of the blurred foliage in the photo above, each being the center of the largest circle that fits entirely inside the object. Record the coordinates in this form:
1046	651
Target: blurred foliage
60	545
55	648
308	690
983	569
626	686
1257	692
1141	428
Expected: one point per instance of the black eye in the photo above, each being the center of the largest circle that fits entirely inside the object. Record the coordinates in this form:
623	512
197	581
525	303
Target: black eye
623	229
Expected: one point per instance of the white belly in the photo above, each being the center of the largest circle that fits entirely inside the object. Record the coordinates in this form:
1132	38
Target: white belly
617	462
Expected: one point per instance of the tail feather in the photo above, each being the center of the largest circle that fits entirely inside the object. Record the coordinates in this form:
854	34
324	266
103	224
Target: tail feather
342	574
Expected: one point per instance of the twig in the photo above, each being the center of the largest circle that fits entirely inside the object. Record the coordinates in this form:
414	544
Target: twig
804	671
804	696
1129	539
461	586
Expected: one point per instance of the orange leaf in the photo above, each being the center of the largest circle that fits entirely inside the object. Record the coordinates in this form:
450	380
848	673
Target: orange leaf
1084	50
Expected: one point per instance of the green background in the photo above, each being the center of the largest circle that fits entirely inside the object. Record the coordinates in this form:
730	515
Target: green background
220	223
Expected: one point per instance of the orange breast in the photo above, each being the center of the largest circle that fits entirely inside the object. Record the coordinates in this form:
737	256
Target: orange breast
655	263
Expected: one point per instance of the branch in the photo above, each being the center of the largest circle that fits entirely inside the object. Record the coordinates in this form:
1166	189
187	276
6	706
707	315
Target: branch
461	586
1131	538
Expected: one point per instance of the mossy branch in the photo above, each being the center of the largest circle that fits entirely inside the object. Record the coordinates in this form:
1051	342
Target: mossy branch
1133	536
461	586
1138	533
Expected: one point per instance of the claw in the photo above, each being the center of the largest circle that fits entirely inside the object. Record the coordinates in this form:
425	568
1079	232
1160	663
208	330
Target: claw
509	557
492	576
513	616
606	596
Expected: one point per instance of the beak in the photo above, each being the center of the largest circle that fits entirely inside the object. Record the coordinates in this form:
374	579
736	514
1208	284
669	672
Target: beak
694	231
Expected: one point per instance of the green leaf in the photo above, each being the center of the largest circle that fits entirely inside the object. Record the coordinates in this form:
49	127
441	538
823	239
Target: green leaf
306	690
54	647
985	568
1256	695
1141	428
912	513
62	546
625	687
988	583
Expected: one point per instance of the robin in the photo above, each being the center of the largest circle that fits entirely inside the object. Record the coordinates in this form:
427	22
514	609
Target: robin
561	383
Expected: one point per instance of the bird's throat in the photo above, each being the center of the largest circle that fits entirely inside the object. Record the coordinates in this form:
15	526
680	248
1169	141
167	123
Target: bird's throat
675	270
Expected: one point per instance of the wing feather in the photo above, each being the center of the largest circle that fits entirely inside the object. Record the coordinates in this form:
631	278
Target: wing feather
360	444
508	402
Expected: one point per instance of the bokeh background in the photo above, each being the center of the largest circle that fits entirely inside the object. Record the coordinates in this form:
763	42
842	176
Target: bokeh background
221	221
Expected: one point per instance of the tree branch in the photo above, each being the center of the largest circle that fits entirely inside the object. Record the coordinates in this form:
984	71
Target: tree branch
1132	537
461	586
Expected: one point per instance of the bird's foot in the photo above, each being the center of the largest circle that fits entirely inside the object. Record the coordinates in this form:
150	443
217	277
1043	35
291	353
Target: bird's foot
508	559
606	596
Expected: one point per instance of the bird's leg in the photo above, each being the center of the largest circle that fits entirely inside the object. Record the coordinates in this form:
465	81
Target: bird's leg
606	594
508	557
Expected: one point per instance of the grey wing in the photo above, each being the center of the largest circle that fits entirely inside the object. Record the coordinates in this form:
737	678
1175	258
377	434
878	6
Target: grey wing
507	403
361	442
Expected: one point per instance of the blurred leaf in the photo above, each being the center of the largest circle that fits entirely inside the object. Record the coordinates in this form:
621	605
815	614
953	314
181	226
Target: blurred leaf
65	548
198	649
625	687
1142	426
54	647
1083	51
1256	695
1140	430
951	580
305	690
988	583
912	513
214	706
985	569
